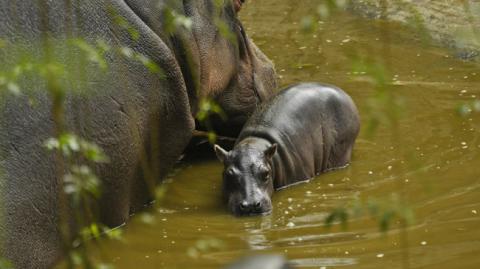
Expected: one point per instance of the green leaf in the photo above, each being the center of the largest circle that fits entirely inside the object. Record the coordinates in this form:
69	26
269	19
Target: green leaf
203	246
385	220
4	264
104	266
71	144
127	52
76	258
308	24
52	144
13	88
212	137
95	231
148	63
476	105
225	31
464	110
147	218
207	108
115	234
339	214
95	54
323	11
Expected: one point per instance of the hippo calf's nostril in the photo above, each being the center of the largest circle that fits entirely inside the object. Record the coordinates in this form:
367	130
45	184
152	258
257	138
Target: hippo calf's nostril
243	205
258	205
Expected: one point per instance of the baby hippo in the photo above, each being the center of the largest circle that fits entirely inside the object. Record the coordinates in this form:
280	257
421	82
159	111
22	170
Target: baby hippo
305	130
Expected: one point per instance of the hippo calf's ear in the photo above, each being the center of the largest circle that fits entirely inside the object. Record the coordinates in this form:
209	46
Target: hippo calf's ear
270	151
221	153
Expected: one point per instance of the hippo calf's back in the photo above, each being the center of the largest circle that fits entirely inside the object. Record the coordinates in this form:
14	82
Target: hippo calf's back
315	127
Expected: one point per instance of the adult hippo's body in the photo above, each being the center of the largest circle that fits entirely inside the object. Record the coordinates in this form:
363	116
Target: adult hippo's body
305	130
133	71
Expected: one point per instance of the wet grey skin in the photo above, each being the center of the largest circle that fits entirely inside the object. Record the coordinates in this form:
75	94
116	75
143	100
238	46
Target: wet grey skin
305	130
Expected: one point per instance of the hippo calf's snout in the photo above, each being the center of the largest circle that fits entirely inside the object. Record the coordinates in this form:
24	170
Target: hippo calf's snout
250	207
254	207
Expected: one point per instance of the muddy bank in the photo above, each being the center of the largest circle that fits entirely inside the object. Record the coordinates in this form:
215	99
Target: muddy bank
451	23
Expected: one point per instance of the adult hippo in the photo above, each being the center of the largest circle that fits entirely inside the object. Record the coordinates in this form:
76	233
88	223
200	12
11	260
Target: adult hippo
133	71
305	130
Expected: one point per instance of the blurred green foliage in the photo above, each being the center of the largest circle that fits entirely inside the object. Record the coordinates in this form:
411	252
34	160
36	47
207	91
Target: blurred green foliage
4	264
323	11
123	24
384	211
70	144
386	106
466	109
82	189
175	22
93	53
207	109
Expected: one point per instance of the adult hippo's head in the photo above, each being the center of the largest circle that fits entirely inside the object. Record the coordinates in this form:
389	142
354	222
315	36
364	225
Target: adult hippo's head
248	177
233	70
217	59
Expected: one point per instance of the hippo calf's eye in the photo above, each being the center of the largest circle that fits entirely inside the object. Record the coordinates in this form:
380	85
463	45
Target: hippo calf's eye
265	178
264	173
230	172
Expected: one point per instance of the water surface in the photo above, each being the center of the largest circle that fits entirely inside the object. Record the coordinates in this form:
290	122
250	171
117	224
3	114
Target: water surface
433	156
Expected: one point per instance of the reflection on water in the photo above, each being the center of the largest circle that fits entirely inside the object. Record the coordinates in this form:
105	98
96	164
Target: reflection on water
441	164
325	262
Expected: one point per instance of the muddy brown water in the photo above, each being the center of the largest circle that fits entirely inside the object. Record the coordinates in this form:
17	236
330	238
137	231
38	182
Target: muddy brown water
434	156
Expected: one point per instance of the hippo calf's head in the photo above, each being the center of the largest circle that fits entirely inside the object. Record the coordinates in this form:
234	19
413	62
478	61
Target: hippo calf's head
248	177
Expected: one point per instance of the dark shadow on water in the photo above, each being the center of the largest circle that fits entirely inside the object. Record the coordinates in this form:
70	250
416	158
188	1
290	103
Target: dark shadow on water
200	148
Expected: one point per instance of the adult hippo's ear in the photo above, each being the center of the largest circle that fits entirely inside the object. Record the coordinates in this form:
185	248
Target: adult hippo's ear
221	153
237	5
269	152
